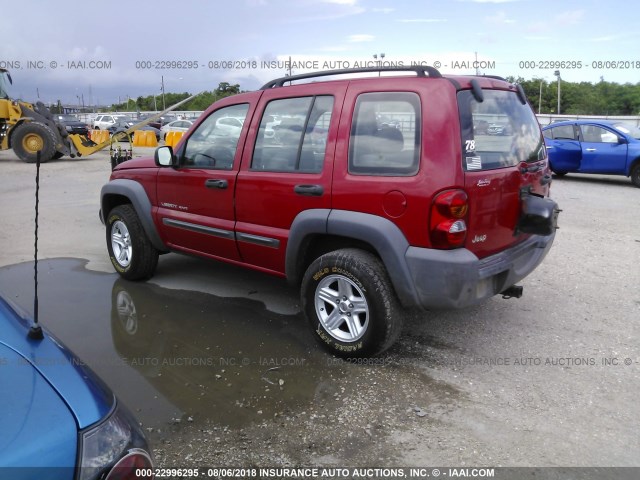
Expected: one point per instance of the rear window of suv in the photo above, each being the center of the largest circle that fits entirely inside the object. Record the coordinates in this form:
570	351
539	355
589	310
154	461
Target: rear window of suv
498	132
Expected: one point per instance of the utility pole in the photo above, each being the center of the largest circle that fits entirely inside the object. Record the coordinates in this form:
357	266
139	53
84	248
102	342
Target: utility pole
375	57
540	99
163	107
557	74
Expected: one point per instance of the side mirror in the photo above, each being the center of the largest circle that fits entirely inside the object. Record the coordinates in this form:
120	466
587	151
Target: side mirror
164	157
622	140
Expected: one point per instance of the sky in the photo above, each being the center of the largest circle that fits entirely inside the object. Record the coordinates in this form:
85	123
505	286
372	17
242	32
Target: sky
106	52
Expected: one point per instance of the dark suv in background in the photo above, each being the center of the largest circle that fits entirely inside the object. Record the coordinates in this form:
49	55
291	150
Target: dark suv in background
372	194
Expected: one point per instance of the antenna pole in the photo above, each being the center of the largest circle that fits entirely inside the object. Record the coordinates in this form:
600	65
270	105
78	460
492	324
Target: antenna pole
35	332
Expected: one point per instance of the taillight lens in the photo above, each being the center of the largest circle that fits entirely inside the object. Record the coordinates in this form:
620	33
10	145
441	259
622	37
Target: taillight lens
136	465
448	225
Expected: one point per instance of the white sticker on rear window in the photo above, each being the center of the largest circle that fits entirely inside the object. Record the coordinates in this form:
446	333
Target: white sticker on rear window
474	163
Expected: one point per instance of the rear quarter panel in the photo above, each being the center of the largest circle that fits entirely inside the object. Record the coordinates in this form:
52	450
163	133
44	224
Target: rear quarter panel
410	196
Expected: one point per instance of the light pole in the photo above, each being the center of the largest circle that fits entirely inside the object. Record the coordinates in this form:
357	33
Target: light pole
162	89
557	74
540	99
375	57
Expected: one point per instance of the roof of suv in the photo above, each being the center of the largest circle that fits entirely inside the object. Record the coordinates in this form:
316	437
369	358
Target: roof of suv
460	82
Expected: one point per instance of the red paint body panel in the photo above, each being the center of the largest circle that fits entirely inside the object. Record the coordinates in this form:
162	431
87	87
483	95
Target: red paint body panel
266	203
365	193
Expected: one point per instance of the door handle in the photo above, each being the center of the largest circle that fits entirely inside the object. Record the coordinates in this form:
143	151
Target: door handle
309	190
550	146
216	183
590	149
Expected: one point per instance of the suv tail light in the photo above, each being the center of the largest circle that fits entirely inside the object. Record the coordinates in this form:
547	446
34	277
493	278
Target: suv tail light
448	226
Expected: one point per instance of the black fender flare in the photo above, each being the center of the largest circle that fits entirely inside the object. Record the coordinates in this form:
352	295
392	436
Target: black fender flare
138	198
382	234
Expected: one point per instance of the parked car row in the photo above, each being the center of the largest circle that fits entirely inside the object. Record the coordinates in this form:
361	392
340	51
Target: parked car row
175	126
72	124
121	125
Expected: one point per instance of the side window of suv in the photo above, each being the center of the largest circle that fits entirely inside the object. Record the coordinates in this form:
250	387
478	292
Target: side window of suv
297	143
213	144
385	134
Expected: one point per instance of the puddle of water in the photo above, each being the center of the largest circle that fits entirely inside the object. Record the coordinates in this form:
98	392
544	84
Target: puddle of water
201	368
173	355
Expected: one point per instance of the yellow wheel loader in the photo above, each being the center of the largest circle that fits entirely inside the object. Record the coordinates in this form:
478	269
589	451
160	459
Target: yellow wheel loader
28	128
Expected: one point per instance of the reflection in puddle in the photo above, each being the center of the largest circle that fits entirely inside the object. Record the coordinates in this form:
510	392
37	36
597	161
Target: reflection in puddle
176	356
226	360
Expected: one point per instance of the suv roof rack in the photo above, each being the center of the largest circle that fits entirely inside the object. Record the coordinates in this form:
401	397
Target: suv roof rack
495	77
421	71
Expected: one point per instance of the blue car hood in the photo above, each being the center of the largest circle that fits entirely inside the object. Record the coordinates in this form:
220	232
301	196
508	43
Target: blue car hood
38	429
86	397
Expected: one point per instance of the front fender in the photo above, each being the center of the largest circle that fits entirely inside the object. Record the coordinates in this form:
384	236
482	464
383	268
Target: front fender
135	193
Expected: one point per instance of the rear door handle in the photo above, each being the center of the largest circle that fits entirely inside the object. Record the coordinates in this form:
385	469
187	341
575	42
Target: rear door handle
309	190
590	149
216	183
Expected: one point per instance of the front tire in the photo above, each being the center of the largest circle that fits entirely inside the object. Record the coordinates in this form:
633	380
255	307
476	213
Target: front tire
349	301
635	175
130	250
29	138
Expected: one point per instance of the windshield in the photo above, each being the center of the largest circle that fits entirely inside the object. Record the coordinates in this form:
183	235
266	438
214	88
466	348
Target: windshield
67	118
499	131
628	129
4	84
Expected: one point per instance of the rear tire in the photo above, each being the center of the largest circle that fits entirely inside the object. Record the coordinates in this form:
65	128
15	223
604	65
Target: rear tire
635	175
349	301
130	250
30	137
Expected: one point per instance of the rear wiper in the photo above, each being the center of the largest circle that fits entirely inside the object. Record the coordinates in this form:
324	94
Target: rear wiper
531	168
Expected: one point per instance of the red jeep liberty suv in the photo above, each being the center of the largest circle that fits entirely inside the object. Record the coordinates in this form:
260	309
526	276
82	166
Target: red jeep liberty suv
372	193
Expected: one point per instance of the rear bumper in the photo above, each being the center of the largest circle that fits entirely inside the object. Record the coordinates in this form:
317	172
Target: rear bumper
457	278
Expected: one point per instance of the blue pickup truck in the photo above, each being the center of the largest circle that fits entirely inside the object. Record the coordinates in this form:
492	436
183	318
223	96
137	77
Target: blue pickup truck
585	146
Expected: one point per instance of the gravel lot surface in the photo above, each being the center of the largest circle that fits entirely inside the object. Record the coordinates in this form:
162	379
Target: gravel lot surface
551	379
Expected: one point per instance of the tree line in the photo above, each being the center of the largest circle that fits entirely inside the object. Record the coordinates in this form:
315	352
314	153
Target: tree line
581	98
576	98
152	103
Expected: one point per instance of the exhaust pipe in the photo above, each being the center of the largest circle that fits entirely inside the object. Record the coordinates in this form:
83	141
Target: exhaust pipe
514	291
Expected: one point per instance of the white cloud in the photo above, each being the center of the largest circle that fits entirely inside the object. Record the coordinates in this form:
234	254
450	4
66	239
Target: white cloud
606	38
499	18
489	1
361	38
383	10
569	18
333	49
342	2
422	20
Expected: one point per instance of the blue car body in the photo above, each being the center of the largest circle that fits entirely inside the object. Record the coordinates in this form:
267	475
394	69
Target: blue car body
584	146
56	415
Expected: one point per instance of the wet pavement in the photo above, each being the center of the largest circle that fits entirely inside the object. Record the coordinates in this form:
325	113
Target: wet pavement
184	360
174	354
